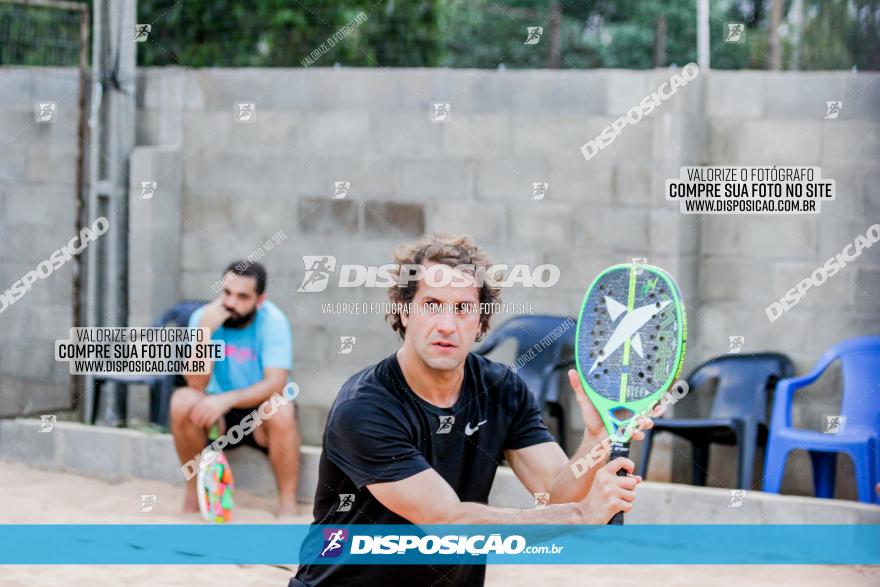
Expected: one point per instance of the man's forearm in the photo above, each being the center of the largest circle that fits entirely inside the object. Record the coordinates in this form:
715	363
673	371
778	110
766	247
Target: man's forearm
253	395
477	513
565	487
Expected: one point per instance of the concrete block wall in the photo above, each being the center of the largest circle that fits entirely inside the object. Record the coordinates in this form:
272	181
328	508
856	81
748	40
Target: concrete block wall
37	217
243	182
155	233
232	185
748	262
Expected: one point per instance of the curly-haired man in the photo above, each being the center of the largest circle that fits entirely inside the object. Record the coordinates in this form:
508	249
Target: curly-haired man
417	438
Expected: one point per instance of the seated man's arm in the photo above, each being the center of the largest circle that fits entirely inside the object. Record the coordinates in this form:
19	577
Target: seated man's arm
426	498
211	315
213	406
276	351
273	381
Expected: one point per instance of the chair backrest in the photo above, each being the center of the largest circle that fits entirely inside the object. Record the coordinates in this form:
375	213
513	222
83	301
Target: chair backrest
179	314
860	363
533	331
743	383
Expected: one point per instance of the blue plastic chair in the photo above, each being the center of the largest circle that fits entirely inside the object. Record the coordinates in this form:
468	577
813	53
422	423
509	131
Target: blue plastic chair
738	415
540	373
860	364
161	386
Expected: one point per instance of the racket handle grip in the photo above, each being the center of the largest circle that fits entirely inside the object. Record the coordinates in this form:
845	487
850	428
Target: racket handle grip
618	450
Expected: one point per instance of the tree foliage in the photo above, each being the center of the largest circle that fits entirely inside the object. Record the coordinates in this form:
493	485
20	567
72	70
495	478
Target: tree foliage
833	34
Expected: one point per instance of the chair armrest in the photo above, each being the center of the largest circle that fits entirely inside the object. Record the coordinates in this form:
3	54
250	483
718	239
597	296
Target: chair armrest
550	371
552	368
785	389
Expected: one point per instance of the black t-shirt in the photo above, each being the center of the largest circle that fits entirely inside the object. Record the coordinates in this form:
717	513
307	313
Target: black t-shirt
379	430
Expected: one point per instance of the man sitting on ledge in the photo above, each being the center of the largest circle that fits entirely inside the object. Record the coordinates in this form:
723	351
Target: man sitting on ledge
258	359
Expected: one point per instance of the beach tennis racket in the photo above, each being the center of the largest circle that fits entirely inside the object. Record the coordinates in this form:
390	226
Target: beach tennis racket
629	347
214	485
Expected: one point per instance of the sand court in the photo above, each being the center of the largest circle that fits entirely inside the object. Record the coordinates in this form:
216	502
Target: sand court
38	498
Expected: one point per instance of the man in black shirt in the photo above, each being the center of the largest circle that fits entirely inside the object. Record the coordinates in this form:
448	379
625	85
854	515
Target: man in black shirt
418	437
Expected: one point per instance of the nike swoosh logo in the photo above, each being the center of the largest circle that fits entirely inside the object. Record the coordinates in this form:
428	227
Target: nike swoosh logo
468	430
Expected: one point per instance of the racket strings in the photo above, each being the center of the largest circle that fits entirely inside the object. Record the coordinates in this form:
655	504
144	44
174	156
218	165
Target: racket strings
652	349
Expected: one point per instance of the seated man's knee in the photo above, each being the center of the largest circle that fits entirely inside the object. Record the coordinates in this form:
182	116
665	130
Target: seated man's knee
182	401
282	420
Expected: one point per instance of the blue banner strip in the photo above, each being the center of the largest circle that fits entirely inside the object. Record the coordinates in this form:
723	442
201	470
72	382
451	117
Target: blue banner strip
147	544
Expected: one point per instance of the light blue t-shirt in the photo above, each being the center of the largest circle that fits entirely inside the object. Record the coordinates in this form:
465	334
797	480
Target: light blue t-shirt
265	342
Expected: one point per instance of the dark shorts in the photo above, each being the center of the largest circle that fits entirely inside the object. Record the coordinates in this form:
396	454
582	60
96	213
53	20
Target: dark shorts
234	417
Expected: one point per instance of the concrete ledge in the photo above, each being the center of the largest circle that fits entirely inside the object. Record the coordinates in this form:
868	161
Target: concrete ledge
117	454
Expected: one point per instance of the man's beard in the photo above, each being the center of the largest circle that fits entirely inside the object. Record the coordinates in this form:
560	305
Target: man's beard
236	321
